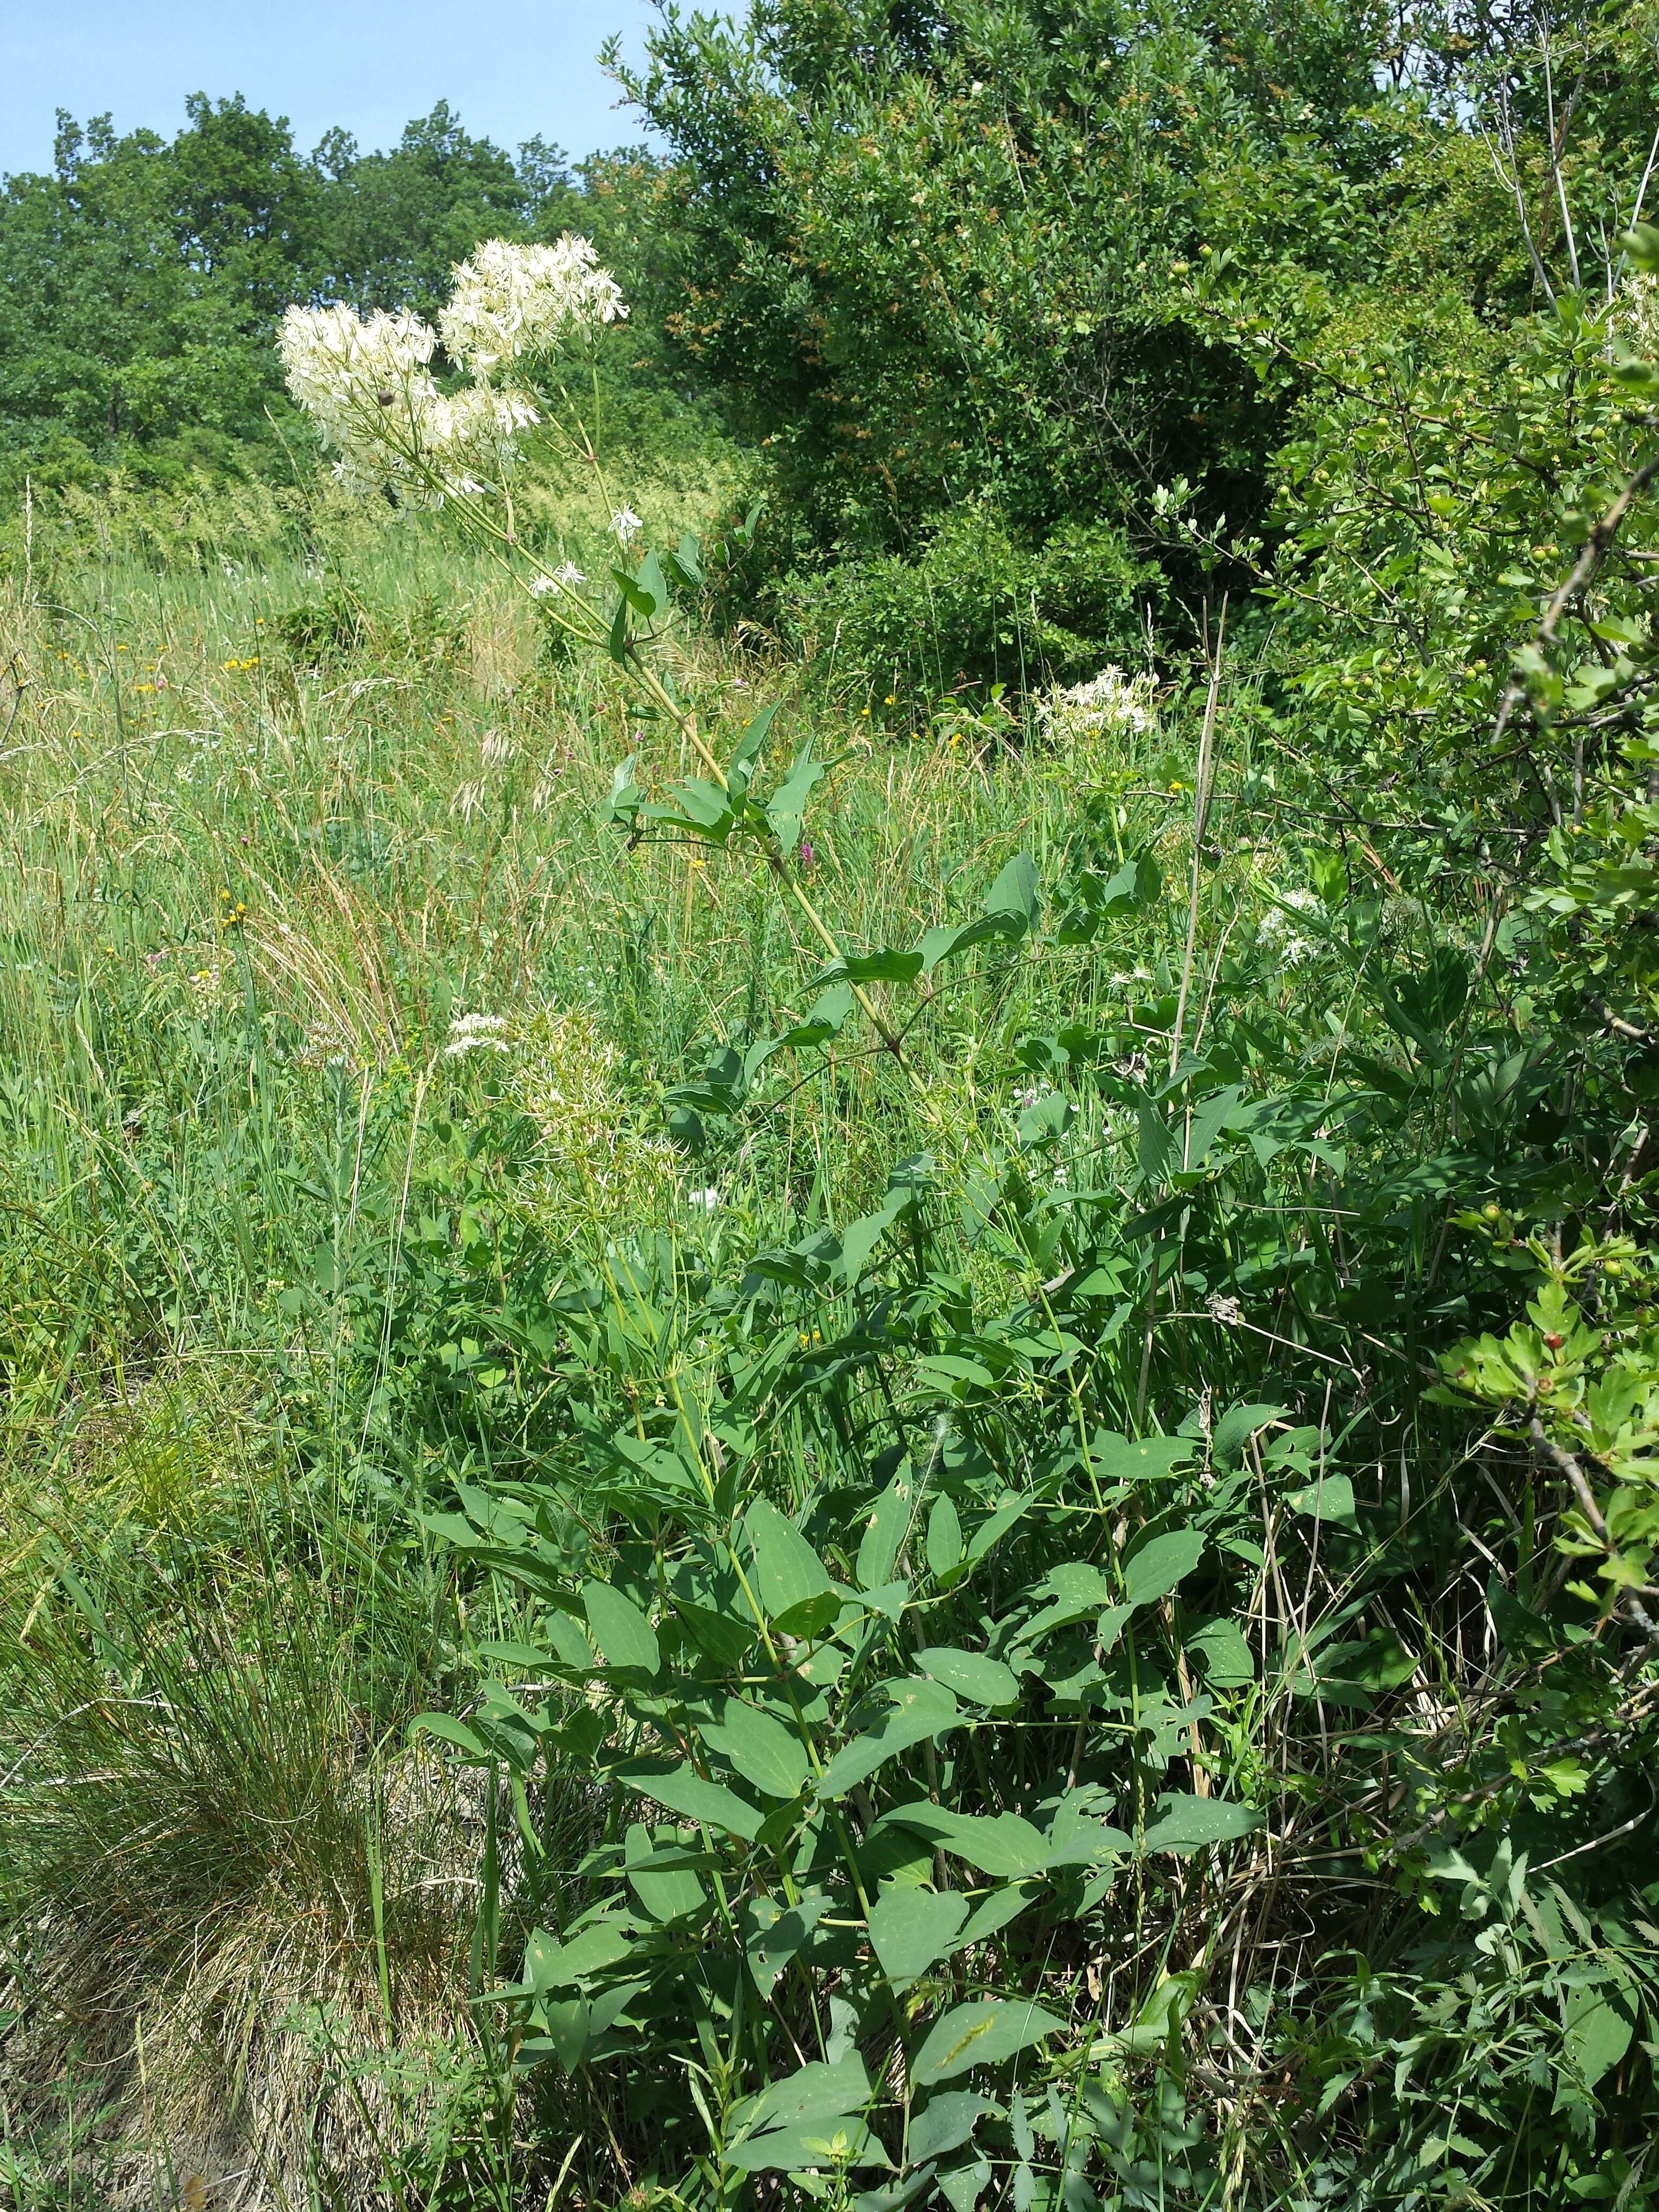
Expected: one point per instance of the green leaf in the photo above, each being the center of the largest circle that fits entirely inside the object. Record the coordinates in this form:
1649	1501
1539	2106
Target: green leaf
573	1648
1220	1647
819	2090
788	805
1010	911
949	1367
885	1532
791	1581
1156	1569
763	1750
885	967
1187	1824
983	2035
1329	1498
741	766
963	2187
1597	2031
840	2143
946	2123
449	1730
667	1892
1209	1118
1000	1845
921	1710
1015	891
859	1238
624	803
993	1913
997	1525
550	1964
909	1928
971	1674
896	2194
1073	1590
1122	1458
697	801
1236	1428
683	1789
621	1632
943	1536
636	594
566	2028
619	642
774	1933
683	566
825	1018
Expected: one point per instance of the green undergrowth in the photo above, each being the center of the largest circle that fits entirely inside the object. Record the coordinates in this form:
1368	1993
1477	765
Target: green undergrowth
751	1461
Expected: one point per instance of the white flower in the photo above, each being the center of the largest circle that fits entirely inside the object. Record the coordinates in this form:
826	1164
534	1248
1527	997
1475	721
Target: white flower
364	381
510	300
1639	318
625	524
1110	704
475	1033
704	1202
474	432
562	579
1276	935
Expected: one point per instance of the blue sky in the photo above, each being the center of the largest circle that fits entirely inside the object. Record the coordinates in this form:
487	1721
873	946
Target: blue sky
509	68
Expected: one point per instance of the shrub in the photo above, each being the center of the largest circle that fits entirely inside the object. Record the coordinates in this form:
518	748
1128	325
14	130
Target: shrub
973	610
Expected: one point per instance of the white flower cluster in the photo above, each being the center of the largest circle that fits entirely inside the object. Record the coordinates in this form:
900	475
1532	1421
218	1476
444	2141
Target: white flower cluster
511	300
1108	705
1277	935
366	380
564	578
1638	323
475	1033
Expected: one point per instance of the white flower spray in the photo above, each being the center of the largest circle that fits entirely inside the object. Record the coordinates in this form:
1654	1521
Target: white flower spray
512	299
1108	705
366	380
1638	319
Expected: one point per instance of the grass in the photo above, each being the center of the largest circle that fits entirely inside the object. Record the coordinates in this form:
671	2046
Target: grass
277	823
335	1028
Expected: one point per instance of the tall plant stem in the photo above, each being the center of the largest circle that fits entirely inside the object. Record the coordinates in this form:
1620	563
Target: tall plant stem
1200	810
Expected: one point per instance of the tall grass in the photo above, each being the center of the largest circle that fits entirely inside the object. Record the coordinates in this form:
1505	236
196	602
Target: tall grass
275	823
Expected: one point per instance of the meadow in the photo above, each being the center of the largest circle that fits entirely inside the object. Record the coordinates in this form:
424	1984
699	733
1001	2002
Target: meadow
828	1342
285	828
